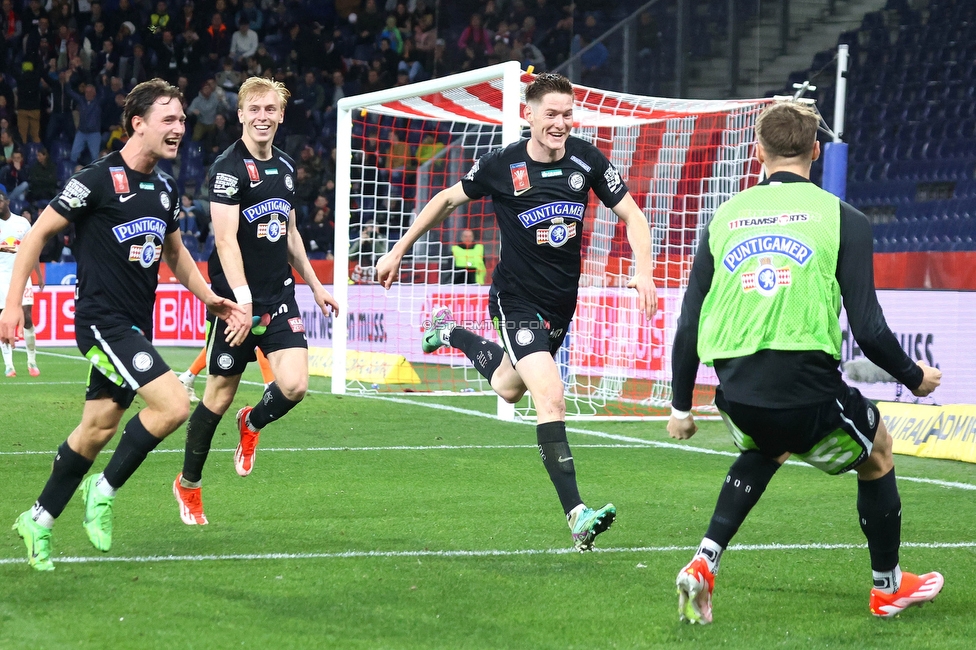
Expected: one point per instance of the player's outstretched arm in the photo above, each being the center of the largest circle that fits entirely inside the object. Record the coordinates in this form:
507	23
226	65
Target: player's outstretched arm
185	269
433	214
299	261
47	225
224	219
639	236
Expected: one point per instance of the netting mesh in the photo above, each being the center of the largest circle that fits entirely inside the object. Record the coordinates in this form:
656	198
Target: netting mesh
680	159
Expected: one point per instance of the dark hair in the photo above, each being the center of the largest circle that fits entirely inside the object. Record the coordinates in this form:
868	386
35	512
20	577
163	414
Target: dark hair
545	83
141	99
788	129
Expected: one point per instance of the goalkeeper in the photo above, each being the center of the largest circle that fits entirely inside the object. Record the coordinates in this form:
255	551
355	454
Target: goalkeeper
762	306
539	187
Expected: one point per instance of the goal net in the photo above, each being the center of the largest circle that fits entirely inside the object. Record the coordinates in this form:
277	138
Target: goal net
397	148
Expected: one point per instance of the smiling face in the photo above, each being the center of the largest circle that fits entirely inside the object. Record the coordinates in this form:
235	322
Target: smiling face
260	114
550	121
162	128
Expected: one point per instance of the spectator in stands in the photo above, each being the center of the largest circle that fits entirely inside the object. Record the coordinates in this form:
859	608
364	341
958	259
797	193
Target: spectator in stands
391	33
319	233
400	161
138	69
244	42
106	62
476	39
123	13
89	133
7	146
428	150
443	62
10	25
6	110
389	58
369	24
424	39
160	20
306	189
329	57
189	20
188	216
216	41
374	79
42	178
204	108
593	61
255	17
545	13
411	63
516	13
369	246
29	102
13	176
556	44
223	135
313	99
469	260
167	57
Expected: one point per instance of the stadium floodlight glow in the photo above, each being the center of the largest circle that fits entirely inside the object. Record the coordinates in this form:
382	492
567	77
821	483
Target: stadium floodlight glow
680	159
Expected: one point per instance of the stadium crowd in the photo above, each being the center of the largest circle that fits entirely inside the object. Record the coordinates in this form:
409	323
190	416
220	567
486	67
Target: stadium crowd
68	65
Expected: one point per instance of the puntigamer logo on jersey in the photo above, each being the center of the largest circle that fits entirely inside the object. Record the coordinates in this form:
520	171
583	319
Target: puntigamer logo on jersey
562	209
148	252
264	208
764	245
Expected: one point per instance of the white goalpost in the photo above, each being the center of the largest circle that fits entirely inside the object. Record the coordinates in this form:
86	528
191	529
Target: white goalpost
397	148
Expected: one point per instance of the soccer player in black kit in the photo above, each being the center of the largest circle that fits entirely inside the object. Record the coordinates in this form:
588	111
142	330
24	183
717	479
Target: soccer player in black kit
539	187
252	192
125	213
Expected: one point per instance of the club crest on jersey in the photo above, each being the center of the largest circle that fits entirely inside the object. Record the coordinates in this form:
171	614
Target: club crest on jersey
141	226
119	180
266	207
273	230
520	177
766	279
164	200
764	245
146	254
576	181
289	183
557	234
252	170
563	209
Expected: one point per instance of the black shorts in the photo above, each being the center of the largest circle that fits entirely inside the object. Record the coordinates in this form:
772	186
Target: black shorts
523	327
123	360
286	330
834	436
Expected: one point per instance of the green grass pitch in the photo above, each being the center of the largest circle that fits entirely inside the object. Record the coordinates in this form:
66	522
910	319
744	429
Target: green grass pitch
382	522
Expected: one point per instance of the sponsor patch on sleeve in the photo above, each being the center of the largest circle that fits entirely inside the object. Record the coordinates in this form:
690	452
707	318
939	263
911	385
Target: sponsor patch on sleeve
225	184
74	194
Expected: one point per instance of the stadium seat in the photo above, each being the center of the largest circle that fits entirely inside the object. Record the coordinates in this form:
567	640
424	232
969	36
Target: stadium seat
65	169
17	206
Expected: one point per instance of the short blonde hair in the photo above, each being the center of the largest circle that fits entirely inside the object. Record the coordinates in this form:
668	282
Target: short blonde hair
788	129
254	86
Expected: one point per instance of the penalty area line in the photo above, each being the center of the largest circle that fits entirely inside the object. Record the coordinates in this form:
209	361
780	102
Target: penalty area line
341	555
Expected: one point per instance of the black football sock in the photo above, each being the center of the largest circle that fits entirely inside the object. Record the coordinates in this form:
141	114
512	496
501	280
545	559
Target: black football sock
200	429
134	446
879	513
69	469
272	406
745	483
485	355
556	456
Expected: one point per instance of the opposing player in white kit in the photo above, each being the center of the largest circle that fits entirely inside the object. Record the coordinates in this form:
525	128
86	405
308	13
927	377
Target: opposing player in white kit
13	227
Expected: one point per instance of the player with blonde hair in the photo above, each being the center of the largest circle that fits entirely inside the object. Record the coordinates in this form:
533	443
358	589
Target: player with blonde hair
252	192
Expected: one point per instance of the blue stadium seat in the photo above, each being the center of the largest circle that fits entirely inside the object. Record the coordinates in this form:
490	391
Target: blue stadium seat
65	169
17	206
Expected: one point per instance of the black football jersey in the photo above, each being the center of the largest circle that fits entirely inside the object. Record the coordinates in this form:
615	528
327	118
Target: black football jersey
121	219
540	208
265	192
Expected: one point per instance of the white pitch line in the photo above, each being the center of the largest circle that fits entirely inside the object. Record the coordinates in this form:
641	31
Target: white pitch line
466	554
635	442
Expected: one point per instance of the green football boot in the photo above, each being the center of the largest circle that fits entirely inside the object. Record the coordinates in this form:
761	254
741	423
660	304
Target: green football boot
98	514
589	523
38	541
438	332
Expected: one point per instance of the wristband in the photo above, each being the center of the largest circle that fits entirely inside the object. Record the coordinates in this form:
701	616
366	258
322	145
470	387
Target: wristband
242	295
680	415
